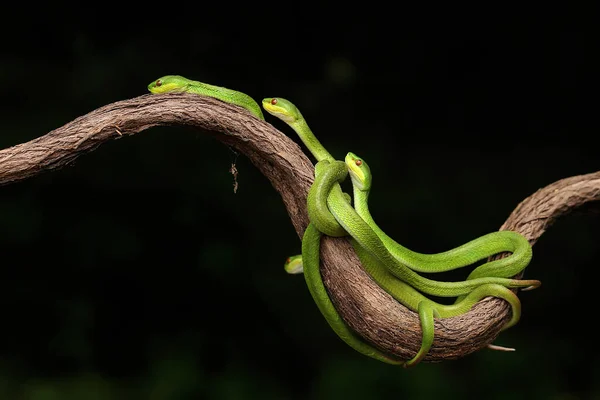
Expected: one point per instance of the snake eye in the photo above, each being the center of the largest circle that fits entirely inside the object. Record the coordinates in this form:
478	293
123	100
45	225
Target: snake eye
287	261
358	162
273	101
158	82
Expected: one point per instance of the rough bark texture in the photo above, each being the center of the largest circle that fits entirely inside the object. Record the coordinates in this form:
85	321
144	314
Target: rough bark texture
370	311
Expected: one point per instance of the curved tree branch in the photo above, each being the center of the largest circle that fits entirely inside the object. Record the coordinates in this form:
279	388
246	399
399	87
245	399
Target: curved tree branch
370	311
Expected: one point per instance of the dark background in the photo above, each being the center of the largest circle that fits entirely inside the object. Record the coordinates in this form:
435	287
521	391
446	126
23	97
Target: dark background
136	272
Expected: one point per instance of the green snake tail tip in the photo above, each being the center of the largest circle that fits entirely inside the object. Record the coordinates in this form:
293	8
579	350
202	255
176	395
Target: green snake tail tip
536	284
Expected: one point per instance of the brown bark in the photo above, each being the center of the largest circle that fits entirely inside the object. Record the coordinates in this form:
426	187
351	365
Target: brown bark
370	311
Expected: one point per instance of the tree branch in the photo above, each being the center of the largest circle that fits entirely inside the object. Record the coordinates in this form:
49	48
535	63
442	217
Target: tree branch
370	311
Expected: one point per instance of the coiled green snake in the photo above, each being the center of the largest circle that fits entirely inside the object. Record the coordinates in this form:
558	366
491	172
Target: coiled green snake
325	198
391	265
467	254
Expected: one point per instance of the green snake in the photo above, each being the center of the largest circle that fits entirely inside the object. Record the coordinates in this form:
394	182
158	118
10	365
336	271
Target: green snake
294	265
177	83
467	254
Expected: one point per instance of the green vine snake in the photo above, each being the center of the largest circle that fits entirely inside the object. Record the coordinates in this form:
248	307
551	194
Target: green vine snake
293	264
467	254
177	83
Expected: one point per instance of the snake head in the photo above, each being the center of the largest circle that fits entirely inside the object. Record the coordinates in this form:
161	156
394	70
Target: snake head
360	173
293	265
283	109
169	83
